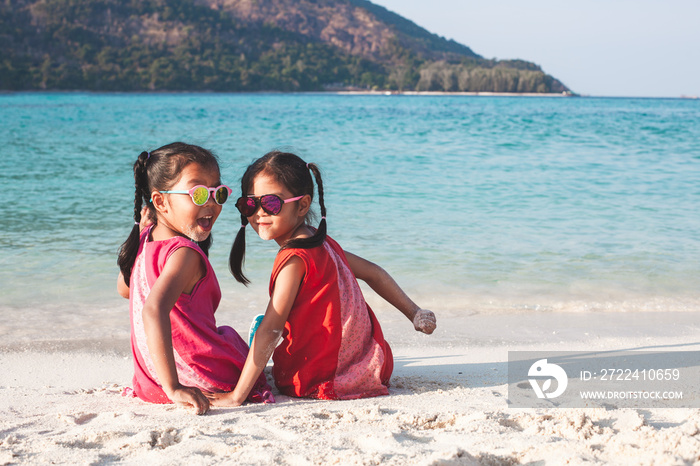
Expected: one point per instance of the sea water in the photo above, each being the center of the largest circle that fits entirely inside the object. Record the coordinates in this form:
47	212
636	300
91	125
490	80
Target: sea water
474	204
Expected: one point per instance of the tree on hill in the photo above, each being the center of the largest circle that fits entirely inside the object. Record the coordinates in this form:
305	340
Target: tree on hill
111	45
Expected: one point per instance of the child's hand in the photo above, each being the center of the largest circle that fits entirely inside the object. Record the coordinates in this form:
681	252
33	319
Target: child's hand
424	321
223	399
190	397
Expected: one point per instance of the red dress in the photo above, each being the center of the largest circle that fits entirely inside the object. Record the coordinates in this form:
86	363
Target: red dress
332	345
206	356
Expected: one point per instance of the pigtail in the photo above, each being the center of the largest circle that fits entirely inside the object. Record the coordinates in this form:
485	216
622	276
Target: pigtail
320	236
130	248
321	232
237	257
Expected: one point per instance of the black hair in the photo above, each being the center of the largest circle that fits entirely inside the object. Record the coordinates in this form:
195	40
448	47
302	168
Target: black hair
295	175
159	170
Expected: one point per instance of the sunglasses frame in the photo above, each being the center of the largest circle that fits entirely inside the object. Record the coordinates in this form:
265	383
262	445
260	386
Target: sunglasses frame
258	203
210	191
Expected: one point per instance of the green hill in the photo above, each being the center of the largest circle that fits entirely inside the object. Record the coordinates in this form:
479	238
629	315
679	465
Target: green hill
239	45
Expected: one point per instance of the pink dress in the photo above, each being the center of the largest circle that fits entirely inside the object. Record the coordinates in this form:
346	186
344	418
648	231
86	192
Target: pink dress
206	357
332	345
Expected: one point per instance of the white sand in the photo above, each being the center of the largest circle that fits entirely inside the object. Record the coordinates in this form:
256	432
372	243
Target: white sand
447	406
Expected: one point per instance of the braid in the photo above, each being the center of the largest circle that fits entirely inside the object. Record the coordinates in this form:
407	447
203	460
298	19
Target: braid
319	186
141	184
130	248
236	258
320	236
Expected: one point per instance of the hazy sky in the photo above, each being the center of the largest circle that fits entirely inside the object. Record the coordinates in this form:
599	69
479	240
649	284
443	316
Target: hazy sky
648	48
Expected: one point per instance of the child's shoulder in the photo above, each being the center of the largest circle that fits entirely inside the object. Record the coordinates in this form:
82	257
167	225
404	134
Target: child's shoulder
168	246
320	249
328	248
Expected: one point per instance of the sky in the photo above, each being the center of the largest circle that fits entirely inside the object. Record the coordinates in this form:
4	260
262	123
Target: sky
626	48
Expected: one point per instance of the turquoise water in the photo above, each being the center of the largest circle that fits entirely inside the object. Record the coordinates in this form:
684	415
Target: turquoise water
472	203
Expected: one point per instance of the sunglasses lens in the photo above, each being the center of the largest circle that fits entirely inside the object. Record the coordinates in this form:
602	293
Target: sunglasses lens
246	206
272	204
200	196
221	195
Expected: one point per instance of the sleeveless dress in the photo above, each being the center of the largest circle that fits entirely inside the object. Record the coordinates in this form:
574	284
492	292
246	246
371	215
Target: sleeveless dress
206	357
332	345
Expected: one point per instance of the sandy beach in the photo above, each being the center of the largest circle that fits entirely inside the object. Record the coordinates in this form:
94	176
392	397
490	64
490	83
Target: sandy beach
448	405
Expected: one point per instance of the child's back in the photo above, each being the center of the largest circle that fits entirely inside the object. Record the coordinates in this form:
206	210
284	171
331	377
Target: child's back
332	345
334	348
206	357
179	353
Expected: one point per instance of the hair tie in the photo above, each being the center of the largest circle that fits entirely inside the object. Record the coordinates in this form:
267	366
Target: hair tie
137	223
242	226
307	167
149	155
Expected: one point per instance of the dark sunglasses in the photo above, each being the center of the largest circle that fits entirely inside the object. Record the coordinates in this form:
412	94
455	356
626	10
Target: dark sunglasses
270	203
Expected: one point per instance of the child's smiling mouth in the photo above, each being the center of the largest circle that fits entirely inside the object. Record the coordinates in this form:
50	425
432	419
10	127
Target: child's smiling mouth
205	222
263	223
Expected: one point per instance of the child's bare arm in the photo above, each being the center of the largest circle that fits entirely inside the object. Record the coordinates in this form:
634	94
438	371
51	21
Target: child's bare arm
180	271
122	287
268	333
385	286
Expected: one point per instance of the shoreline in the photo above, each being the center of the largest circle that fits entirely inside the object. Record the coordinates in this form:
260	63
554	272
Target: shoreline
107	328
321	92
456	93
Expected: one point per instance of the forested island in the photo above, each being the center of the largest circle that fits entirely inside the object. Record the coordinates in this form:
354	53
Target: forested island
240	45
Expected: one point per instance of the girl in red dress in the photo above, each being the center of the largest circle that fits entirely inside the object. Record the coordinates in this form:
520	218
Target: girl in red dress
332	345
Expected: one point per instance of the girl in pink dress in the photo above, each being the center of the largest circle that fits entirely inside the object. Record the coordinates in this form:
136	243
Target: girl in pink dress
179	352
332	345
